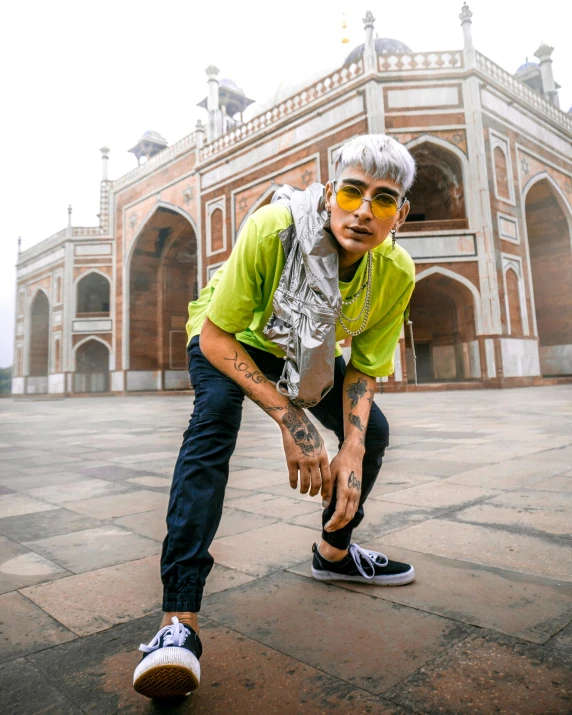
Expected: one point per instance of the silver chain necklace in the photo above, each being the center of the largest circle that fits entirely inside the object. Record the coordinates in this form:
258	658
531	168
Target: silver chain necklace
366	305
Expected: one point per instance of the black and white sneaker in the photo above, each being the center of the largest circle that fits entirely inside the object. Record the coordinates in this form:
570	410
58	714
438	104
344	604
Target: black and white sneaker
170	666
362	566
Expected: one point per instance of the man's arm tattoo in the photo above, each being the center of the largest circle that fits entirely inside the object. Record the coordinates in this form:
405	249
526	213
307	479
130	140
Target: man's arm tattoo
267	408
302	430
354	483
244	368
356	390
356	422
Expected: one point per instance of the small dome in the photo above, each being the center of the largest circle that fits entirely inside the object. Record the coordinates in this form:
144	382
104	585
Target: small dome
231	85
383	46
154	137
526	67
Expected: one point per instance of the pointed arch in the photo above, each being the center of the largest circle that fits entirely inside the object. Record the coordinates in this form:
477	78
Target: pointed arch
464	165
91	365
466	282
38	333
102	297
161	271
262	200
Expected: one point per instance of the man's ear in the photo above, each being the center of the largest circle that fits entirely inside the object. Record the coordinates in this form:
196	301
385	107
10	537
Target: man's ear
329	192
403	212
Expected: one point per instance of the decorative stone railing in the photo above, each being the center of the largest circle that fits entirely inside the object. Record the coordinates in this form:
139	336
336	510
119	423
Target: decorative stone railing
420	61
289	106
163	157
522	91
452	224
42	246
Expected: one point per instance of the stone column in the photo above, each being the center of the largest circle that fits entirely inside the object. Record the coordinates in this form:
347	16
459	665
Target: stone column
373	93
213	103
468	47
104	162
69	229
369	53
544	53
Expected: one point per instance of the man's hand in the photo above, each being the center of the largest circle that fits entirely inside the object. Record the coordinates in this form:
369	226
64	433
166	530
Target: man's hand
305	453
346	475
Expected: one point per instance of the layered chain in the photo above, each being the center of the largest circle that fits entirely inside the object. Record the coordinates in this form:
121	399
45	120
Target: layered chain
364	312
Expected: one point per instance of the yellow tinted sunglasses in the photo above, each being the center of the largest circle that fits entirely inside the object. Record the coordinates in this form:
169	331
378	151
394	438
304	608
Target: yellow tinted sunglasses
350	198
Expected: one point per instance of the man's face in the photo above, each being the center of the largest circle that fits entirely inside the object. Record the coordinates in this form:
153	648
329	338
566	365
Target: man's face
359	230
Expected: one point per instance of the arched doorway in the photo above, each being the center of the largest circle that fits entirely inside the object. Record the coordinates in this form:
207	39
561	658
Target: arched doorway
438	196
162	281
443	316
91	367
39	342
550	248
92	295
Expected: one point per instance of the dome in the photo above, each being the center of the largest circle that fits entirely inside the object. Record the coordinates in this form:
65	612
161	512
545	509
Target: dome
231	85
526	67
383	46
154	137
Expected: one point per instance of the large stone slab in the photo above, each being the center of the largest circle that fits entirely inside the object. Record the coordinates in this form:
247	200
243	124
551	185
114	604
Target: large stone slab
256	478
490	674
45	524
21	482
91	549
27	691
77	491
551	558
429	467
21	567
369	643
239	676
525	520
517	604
111	473
264	550
98	600
20	504
277	506
507	474
26	628
236	521
439	496
112	507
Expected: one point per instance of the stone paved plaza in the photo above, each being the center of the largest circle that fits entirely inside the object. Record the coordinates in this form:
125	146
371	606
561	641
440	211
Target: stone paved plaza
476	491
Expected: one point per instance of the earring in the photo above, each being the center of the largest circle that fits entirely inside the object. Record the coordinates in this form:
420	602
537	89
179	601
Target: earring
393	232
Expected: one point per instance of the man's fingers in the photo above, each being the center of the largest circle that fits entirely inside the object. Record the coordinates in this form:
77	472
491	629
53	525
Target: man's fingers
327	482
305	479
316	480
336	522
293	475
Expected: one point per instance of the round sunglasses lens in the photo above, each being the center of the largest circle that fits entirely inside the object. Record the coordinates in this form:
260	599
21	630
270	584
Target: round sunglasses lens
349	198
383	206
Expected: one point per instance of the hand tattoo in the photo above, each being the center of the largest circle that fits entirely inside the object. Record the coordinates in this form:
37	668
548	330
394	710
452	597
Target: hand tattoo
356	390
302	430
267	408
355	421
354	483
243	367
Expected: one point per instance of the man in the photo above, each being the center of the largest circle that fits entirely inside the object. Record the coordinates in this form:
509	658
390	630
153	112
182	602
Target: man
230	357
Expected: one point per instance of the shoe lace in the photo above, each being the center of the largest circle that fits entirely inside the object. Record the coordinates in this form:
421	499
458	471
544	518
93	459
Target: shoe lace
175	635
368	559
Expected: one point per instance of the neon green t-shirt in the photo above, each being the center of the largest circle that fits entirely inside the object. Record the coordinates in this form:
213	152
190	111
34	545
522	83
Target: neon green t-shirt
238	298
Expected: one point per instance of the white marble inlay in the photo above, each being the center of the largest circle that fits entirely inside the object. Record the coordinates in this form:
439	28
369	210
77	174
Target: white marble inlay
490	353
520	357
439	246
93	249
423	97
57	319
91	326
556	360
508	228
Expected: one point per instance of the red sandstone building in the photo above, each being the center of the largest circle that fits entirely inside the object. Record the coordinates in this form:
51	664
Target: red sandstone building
103	309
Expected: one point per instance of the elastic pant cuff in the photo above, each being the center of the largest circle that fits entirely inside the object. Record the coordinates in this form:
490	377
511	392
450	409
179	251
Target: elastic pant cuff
182	601
337	539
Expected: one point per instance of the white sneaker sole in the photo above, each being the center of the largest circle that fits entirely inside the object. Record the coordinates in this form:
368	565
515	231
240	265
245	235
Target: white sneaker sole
398	579
169	672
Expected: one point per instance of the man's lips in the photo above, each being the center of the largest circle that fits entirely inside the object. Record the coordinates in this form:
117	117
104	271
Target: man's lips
359	229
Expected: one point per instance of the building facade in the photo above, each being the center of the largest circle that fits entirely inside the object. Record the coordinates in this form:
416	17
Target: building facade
103	309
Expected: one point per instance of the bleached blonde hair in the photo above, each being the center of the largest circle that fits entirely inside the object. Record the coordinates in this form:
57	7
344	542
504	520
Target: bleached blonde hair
380	157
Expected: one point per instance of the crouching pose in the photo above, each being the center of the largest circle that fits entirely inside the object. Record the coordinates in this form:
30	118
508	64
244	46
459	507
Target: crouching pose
305	272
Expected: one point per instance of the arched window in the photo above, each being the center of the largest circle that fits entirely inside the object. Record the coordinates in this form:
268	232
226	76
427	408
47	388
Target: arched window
437	197
91	367
217	238
39	338
57	356
93	294
513	299
501	173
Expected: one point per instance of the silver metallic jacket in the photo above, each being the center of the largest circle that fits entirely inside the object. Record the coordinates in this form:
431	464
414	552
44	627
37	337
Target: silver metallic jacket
307	301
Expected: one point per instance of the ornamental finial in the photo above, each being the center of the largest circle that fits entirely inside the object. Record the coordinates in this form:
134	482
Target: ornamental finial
466	14
369	19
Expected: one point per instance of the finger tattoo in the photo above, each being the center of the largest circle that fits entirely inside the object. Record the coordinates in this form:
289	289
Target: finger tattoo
353	482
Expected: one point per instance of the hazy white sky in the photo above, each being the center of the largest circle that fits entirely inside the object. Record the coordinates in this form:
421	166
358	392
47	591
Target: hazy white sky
80	75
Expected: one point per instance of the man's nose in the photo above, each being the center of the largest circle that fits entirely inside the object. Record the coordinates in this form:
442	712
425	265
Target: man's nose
364	209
